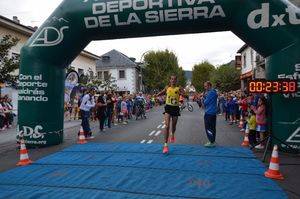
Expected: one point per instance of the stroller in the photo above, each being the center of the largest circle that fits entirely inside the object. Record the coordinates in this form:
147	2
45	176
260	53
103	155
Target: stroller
140	110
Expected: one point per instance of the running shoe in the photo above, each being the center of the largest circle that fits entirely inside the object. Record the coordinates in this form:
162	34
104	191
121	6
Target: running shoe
242	130
259	146
165	150
210	145
172	139
90	137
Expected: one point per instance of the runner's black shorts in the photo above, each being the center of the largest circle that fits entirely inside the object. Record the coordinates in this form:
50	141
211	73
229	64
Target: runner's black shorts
172	110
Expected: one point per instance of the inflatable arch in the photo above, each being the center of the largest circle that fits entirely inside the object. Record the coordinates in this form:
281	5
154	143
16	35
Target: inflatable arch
271	27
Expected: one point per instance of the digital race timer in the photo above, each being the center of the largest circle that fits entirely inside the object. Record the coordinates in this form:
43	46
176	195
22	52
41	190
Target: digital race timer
266	86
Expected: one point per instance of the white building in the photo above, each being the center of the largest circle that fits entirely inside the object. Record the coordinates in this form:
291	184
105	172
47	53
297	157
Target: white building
252	65
123	69
85	62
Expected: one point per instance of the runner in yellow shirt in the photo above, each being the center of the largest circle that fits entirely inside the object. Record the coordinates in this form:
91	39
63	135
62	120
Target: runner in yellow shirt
171	109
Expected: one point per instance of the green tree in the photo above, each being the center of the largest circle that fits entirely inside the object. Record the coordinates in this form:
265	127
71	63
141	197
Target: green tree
159	66
8	63
109	83
95	82
227	78
201	73
181	77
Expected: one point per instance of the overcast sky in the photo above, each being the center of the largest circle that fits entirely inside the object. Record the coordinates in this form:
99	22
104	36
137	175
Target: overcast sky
217	48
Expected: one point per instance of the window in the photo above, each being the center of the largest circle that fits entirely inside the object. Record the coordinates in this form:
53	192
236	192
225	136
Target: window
15	55
106	75
91	74
122	74
80	72
244	61
100	74
252	55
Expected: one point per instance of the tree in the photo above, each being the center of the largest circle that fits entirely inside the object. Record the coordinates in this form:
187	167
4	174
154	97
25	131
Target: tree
95	82
109	83
159	66
227	77
201	73
8	63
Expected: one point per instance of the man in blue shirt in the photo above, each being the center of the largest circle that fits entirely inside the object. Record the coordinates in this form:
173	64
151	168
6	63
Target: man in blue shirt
210	117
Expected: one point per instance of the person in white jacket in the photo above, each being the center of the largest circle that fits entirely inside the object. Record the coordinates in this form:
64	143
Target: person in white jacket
87	102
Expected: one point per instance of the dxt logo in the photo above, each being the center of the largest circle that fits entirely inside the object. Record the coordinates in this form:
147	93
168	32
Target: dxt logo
261	18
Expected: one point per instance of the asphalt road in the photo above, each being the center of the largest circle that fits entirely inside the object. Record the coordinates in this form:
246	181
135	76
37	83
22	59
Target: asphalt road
190	130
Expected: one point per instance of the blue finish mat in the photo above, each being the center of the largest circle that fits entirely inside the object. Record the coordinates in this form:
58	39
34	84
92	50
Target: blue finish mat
141	171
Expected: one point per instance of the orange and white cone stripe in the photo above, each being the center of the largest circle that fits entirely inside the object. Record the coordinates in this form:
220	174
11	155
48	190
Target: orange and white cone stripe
273	171
81	138
24	158
246	140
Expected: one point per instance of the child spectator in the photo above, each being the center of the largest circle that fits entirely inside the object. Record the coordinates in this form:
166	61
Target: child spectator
251	125
124	110
261	122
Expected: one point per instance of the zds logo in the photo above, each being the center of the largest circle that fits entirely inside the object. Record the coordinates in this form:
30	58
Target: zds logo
261	18
50	36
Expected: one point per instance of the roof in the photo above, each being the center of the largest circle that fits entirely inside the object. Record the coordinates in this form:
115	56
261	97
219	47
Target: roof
114	58
243	48
28	31
10	24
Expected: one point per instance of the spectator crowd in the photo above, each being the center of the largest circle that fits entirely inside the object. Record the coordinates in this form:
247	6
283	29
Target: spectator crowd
109	108
6	113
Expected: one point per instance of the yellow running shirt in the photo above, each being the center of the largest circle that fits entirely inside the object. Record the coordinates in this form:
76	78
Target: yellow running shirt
172	96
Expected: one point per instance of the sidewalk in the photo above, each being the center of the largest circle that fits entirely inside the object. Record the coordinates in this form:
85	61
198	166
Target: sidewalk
9	135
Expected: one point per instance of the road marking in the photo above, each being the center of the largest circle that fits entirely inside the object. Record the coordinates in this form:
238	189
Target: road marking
159	126
151	133
150	141
164	126
143	141
157	133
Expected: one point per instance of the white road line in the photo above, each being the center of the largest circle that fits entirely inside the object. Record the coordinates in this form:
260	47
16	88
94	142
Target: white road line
143	141
150	141
151	133
157	133
159	126
164	126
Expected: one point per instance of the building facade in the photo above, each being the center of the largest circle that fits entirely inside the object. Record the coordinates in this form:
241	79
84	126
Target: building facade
124	70
85	62
252	65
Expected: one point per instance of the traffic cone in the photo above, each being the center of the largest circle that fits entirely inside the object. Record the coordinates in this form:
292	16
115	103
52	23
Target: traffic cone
273	171
24	159
246	140
81	138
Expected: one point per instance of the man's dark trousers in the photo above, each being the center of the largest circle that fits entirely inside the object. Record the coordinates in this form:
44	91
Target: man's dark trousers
210	126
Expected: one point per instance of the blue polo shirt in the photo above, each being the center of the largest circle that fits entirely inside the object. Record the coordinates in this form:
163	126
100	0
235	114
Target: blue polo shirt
210	102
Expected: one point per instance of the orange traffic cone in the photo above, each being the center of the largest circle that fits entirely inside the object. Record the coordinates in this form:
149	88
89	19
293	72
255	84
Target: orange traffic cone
24	159
81	138
246	140
273	171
